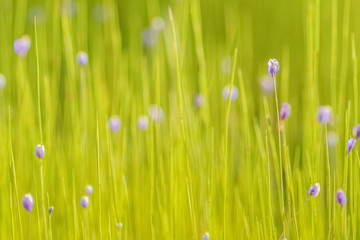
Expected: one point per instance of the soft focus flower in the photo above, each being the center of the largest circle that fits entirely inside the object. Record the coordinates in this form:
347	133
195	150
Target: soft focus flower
232	93
143	122
332	139
158	24
356	131
199	100
39	12
40	151
115	124
156	113
69	8
150	37
22	45
341	197
89	190
226	65
324	114
119	225
2	81
351	144
28	202
82	58
285	111
315	190
51	209
206	236
84	202
273	67
267	85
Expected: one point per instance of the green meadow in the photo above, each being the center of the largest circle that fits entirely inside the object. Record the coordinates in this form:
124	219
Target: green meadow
171	116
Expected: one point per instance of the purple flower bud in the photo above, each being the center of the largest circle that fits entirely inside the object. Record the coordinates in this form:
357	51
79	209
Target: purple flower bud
199	100
2	81
341	197
267	85
206	236
150	37
84	202
315	190
89	190
156	113
324	114
22	46
143	122
285	111
82	58
40	151
115	124
351	144
51	209
233	94
356	131
273	67
28	202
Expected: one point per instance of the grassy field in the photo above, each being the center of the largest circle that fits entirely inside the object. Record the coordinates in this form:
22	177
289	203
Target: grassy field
175	122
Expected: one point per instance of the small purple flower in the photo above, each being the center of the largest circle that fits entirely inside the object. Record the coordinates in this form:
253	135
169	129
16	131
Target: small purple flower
285	111
82	58
156	113
115	124
28	202
51	209
324	114
267	85
22	45
150	37
199	100
206	236
143	122
351	144
40	151
232	93
2	81
84	202
89	190
314	190
356	131
341	197
273	67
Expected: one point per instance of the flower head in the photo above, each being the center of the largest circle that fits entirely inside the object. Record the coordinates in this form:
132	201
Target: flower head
82	58
356	131
324	114
206	236
267	85
156	113
40	151
341	197
314	190
89	190
285	111
115	124
199	100
84	202
273	67
143	122
150	37
28	202
158	24
2	81
51	209
351	144
232	93
22	45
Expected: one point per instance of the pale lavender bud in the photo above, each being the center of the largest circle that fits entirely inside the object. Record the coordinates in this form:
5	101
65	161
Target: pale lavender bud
2	81
273	67
341	197
143	122
82	58
158	24
40	151
314	190
356	131
28	202
324	114
22	45
232	93
206	236
267	85
150	37
156	113
199	100
51	209
332	139
351	144
89	190
285	111
84	202
226	65
115	124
